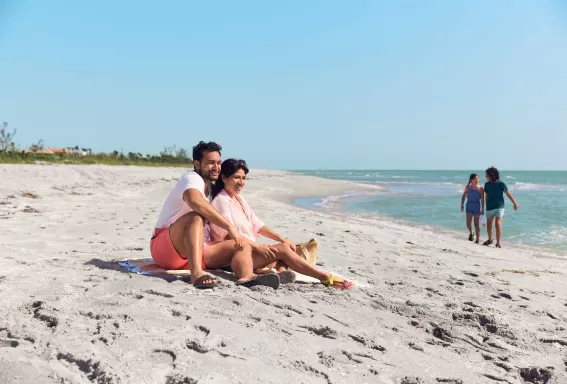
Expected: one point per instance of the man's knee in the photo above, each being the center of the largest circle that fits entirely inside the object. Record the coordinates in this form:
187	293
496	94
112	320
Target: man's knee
193	218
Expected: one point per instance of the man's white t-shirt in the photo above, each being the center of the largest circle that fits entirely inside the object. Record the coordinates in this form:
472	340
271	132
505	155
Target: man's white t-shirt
174	206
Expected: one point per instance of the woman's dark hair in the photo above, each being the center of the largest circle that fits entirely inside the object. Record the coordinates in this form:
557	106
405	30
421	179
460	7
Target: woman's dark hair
493	174
471	177
228	168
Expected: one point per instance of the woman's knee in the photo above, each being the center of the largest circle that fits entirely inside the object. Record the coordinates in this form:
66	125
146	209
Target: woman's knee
247	248
286	253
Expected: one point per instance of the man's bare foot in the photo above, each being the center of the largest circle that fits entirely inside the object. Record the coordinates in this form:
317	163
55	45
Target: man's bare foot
201	280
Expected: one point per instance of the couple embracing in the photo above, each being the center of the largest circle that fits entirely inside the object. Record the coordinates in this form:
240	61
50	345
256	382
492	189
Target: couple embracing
205	224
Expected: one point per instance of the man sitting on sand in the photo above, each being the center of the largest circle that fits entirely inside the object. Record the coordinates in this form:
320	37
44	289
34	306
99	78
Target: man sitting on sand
181	237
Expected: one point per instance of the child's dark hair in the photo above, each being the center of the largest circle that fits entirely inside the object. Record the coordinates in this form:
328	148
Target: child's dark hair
228	168
493	174
200	149
471	177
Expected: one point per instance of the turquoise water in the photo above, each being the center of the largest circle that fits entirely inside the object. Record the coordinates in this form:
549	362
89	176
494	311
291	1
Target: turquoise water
434	198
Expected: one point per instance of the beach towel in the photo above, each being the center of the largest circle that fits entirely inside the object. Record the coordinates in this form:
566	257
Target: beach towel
146	266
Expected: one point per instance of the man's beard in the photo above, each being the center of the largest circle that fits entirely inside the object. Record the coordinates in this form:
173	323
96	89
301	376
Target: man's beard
206	176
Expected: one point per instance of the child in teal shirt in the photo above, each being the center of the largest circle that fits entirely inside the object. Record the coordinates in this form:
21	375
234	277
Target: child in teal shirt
494	191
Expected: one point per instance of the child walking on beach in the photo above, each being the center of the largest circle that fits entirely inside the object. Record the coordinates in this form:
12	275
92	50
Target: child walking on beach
475	205
494	190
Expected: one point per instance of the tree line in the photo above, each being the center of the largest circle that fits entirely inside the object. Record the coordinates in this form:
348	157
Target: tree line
10	153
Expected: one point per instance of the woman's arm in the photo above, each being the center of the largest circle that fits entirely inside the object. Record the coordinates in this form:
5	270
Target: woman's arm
482	200
512	200
267	232
463	198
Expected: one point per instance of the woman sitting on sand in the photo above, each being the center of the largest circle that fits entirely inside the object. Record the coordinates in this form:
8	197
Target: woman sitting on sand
229	203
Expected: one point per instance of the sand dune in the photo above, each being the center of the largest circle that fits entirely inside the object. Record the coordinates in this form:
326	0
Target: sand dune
429	308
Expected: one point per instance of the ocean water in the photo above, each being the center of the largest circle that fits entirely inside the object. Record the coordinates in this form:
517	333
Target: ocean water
434	198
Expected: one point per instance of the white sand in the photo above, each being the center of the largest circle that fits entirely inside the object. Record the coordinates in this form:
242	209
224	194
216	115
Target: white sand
429	308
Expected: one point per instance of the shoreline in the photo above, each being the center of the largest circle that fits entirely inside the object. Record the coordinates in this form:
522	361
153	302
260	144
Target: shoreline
460	313
435	229
357	189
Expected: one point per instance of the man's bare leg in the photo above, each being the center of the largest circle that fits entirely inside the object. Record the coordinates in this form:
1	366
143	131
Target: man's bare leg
187	236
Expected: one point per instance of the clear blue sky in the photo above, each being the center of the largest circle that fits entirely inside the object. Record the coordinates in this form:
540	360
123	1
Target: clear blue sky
294	84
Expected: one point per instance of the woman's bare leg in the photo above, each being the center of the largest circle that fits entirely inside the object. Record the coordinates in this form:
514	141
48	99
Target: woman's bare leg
280	267
477	227
469	222
225	253
292	260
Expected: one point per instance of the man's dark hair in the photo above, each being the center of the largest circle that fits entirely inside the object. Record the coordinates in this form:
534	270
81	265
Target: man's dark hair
200	149
493	174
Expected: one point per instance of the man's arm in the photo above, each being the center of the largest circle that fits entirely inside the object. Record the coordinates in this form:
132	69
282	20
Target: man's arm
194	198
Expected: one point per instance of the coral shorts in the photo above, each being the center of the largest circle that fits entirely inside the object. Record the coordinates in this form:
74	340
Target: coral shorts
164	253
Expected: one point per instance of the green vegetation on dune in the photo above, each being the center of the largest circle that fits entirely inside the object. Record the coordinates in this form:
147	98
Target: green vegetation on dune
11	154
98	158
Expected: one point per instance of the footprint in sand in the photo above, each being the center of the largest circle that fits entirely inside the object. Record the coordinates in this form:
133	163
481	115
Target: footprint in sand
179	379
6	343
164	358
322	331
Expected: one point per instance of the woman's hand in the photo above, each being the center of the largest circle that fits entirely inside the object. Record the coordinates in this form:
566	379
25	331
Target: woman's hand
516	206
267	251
462	208
289	243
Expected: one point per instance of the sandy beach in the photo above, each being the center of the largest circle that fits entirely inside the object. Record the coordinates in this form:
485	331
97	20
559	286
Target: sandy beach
428	307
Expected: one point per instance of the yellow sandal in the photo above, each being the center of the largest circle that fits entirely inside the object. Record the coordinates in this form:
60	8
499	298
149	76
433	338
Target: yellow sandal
344	284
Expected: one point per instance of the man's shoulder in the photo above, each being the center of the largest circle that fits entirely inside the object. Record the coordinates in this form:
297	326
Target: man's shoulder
189	180
191	176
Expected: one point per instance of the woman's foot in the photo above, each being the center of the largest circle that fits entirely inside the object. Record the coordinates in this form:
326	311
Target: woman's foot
263	271
488	242
280	267
471	237
498	246
337	282
477	241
